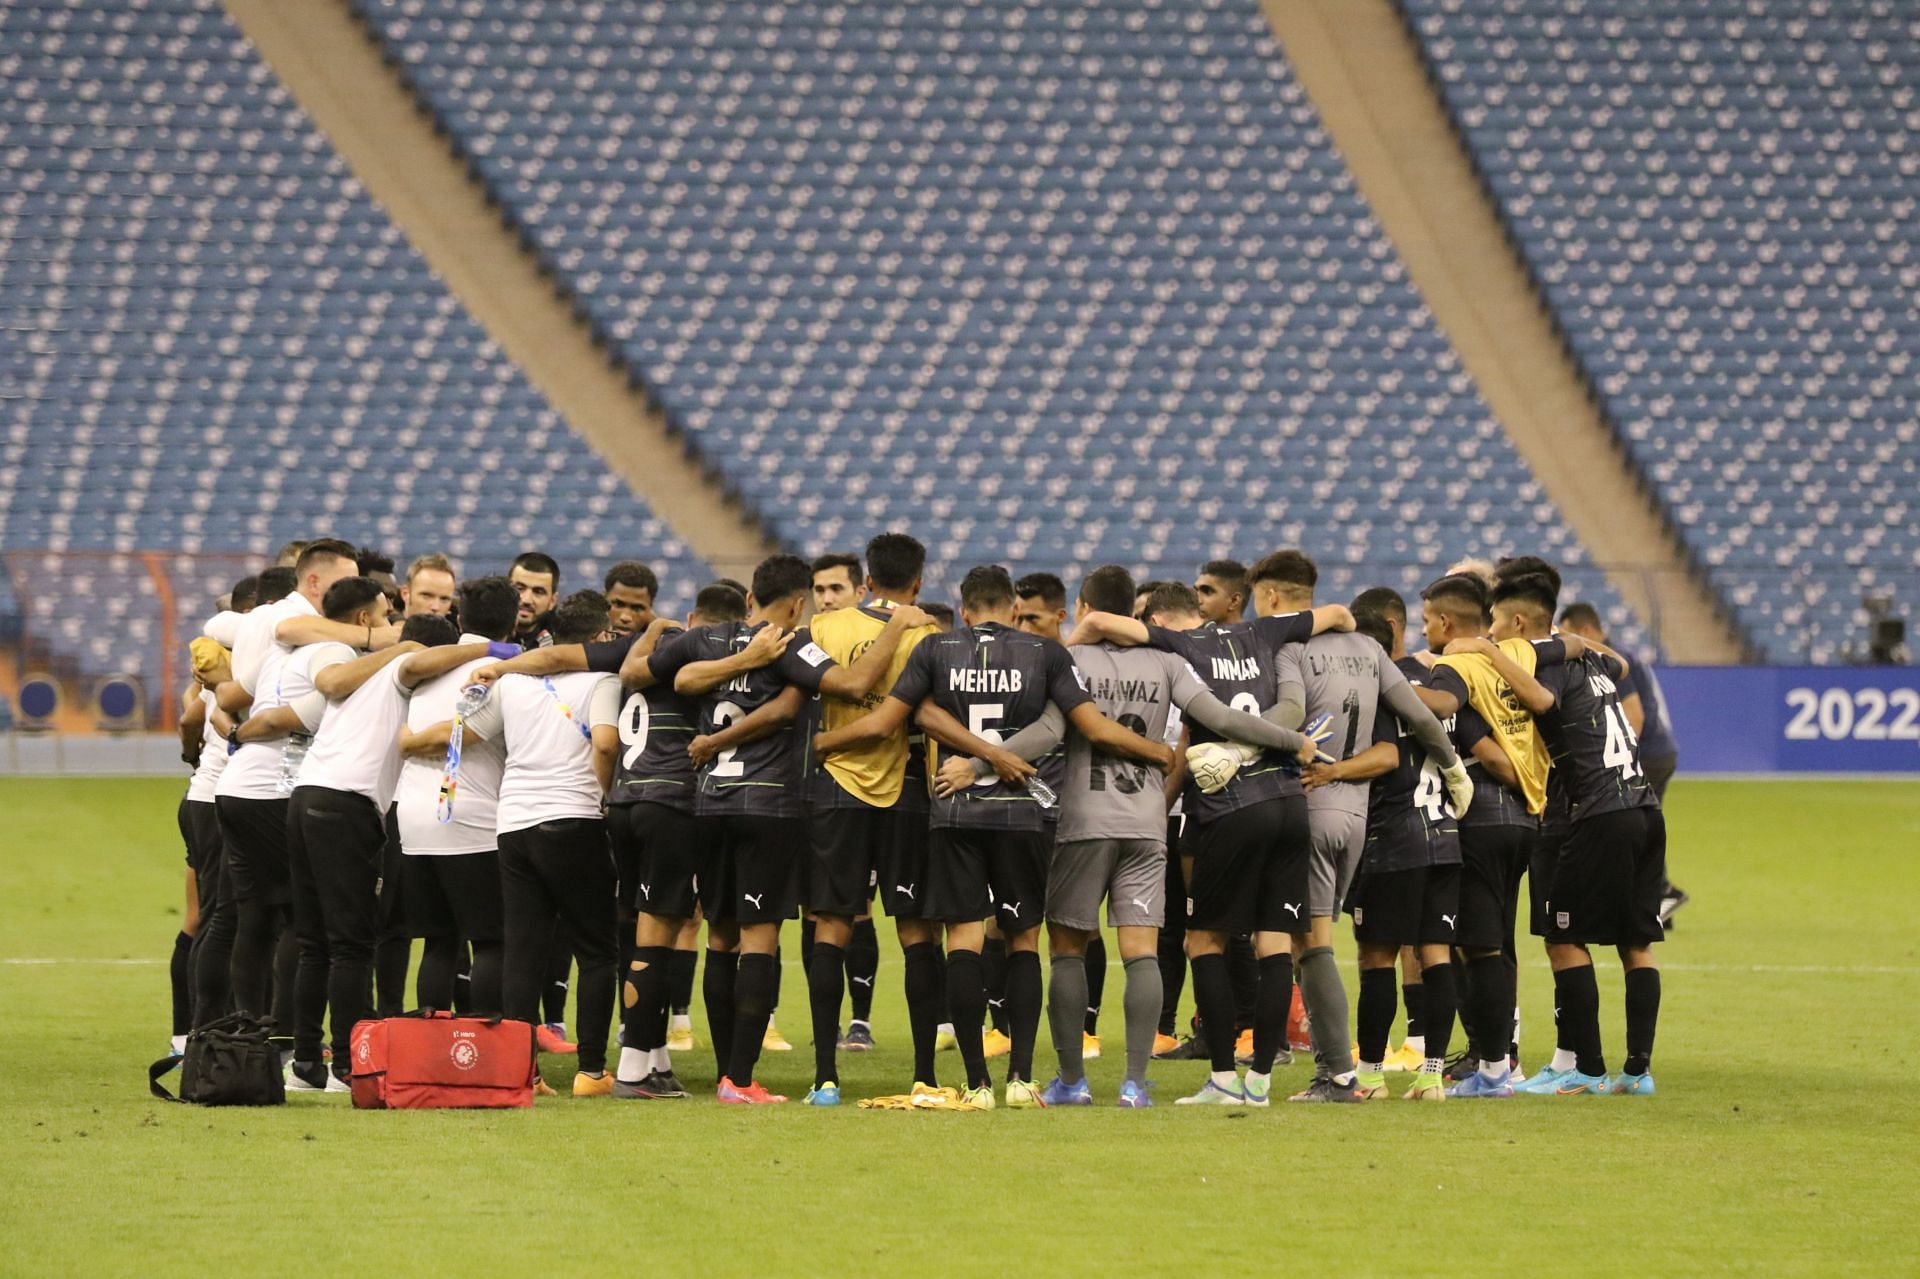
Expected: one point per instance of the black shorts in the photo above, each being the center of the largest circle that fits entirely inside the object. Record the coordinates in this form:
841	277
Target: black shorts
750	867
847	848
656	858
1541	864
1250	869
973	873
200	828
1494	858
1416	907
253	835
1609	880
454	895
902	876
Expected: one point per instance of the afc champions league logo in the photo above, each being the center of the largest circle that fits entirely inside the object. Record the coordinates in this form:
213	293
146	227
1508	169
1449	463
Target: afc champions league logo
363	1051
465	1053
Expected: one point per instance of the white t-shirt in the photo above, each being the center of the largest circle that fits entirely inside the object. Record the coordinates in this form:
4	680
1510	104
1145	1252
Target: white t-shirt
213	757
476	804
285	679
254	640
545	726
357	745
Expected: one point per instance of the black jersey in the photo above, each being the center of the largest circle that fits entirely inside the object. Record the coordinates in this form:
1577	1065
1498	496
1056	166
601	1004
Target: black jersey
760	778
1238	663
996	681
1493	804
1596	758
656	724
1410	819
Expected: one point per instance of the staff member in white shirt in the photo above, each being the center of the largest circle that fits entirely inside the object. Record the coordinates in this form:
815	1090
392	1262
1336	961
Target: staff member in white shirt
251	805
452	866
561	733
337	826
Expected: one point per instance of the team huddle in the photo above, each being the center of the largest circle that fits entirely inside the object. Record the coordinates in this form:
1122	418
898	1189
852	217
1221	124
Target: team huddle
531	784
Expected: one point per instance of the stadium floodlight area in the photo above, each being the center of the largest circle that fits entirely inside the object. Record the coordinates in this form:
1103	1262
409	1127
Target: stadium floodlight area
1719	203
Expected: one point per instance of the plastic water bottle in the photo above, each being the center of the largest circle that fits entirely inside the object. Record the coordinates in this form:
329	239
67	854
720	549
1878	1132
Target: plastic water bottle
1041	791
290	756
472	698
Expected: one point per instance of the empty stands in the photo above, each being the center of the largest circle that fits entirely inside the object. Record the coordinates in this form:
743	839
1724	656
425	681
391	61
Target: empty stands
1719	199
211	341
1050	283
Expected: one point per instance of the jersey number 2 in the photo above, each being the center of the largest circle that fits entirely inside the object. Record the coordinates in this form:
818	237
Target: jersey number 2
727	763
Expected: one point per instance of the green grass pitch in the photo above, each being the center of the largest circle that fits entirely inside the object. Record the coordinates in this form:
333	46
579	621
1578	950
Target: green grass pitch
1783	1139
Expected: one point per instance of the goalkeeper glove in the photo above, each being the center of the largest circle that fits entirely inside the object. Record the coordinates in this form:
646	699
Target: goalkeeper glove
1459	786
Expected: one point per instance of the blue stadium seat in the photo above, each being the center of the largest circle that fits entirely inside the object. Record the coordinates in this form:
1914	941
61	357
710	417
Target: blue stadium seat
1049	283
193	289
1720	203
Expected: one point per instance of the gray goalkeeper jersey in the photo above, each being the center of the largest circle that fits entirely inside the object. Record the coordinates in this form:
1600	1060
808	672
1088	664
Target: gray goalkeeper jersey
1344	674
1142	689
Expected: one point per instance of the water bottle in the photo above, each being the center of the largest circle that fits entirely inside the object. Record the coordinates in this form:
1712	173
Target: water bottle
472	698
290	756
1041	791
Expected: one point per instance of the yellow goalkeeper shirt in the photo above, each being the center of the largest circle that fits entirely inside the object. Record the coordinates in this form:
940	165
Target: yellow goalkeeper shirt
874	773
1512	723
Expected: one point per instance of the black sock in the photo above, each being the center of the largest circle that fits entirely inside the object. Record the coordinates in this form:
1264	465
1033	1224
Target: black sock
779	971
863	965
926	1002
826	973
180	971
1173	980
1413	997
1270	1011
808	931
1578	995
1436	1017
967	1000
723	969
680	980
1373	1018
1213	995
390	960
463	997
1643	1015
641	998
1491	993
752	1005
993	979
1096	980
1023	1010
553	996
1244	971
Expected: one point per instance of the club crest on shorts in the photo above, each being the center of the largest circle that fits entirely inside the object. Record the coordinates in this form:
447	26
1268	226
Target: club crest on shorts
1562	919
1359	913
465	1054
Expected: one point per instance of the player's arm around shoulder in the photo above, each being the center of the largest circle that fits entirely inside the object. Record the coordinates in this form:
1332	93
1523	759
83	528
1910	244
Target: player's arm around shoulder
765	721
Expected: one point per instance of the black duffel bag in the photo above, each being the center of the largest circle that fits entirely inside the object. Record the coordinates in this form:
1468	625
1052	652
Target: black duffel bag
229	1062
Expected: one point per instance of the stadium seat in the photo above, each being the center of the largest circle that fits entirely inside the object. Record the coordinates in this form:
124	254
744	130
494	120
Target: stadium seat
195	295
1719	205
1051	284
